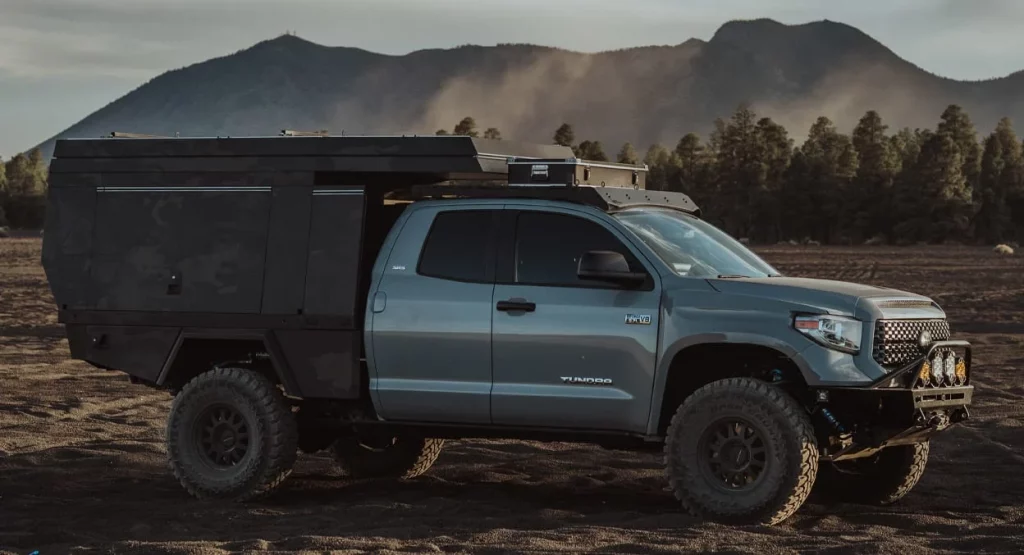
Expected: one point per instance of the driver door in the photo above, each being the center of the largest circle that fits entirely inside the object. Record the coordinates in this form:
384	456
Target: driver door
567	352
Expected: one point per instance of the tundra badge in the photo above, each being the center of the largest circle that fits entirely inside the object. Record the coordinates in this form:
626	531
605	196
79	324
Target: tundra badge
639	319
587	381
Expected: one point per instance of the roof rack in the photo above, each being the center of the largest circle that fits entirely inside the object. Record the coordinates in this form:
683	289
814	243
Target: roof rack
604	198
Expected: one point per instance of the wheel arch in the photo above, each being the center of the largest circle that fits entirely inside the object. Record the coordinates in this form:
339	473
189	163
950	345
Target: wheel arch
685	368
197	351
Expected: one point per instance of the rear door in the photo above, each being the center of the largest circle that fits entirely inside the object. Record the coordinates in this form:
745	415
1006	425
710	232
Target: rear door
570	353
431	317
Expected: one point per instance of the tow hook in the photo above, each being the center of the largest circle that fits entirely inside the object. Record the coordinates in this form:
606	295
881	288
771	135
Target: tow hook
938	420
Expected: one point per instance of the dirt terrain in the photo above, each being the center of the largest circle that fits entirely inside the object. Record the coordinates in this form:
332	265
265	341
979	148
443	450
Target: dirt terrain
82	458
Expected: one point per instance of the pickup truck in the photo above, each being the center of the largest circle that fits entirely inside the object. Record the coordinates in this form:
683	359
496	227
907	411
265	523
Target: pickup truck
375	296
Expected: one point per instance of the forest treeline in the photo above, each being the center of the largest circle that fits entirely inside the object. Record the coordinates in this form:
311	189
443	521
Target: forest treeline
752	179
23	190
873	185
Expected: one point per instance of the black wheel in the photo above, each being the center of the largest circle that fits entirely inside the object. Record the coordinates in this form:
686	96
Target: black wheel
880	479
231	435
741	451
405	456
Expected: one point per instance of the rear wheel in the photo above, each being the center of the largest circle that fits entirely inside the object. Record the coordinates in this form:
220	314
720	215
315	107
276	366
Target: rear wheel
741	451
881	479
230	434
378	456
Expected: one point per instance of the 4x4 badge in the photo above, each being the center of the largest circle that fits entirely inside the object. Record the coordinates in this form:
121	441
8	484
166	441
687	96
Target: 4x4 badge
639	319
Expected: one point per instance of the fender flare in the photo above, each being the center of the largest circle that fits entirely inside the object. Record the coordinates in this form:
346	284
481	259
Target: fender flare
736	338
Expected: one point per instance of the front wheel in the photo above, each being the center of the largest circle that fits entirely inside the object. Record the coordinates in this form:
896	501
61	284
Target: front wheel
880	479
741	451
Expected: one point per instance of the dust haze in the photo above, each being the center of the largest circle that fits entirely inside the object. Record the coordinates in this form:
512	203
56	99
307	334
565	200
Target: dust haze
628	99
845	94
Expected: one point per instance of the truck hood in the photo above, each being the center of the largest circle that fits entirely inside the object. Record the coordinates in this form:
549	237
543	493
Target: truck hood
833	296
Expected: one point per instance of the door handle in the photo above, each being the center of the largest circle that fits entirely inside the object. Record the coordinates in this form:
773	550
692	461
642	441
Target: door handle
516	305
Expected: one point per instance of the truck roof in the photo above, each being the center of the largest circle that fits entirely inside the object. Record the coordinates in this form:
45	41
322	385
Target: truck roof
433	158
376	164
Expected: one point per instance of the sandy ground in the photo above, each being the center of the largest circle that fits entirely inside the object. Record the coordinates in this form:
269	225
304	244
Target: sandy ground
82	458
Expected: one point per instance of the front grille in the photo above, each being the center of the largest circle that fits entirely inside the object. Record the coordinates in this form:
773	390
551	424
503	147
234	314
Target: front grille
896	341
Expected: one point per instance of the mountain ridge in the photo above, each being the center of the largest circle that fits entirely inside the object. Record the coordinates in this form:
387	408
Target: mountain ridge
641	94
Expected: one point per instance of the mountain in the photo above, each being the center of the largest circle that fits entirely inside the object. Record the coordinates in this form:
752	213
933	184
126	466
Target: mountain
792	73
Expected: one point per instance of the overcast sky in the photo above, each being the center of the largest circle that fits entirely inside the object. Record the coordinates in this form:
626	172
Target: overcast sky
63	59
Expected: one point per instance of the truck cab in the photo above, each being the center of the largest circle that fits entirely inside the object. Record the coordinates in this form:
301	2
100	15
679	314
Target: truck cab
376	296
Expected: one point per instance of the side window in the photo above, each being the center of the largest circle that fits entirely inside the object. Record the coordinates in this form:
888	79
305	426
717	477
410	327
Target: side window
549	247
460	246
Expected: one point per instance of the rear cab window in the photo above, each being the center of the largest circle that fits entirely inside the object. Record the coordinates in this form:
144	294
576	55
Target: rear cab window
460	246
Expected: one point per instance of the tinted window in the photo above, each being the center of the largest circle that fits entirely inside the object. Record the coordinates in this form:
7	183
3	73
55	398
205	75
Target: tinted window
549	247
459	246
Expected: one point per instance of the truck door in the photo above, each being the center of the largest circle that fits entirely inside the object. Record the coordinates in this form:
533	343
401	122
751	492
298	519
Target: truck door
431	317
570	353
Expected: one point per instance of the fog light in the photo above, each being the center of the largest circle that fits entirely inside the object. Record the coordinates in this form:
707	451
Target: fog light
925	373
950	370
961	371
937	367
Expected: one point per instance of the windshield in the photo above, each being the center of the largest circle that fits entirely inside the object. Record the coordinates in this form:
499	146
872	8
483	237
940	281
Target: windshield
693	247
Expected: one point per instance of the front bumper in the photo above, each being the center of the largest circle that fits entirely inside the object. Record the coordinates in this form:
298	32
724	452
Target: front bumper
893	410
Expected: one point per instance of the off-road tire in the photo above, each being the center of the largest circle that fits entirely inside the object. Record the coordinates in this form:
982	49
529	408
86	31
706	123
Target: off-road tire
882	479
270	428
408	457
787	439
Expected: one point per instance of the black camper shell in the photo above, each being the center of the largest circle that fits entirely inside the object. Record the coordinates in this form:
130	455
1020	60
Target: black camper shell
166	253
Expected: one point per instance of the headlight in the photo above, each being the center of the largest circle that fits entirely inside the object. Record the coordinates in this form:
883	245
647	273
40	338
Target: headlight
835	332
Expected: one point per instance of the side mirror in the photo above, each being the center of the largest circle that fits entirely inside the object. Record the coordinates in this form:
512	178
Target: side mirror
608	266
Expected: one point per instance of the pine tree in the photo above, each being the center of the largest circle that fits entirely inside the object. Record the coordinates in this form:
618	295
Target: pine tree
691	159
879	162
591	150
1001	174
662	165
776	153
939	204
26	186
40	171
740	170
956	123
627	155
695	171
21	176
564	135
819	183
466	127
